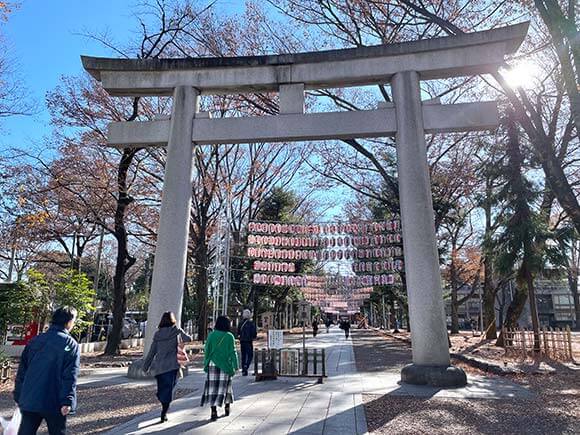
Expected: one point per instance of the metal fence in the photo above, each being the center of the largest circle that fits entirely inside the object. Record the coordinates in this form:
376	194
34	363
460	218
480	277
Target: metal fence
301	362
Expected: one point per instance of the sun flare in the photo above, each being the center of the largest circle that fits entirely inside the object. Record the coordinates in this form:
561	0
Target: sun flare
523	74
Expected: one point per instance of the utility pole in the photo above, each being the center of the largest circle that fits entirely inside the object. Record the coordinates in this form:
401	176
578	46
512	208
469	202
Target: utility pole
384	316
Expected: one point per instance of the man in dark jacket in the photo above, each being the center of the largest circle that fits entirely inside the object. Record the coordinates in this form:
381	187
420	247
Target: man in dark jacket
45	387
247	333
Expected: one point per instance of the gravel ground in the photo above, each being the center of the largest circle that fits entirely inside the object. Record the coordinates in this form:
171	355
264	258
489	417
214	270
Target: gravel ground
100	408
555	410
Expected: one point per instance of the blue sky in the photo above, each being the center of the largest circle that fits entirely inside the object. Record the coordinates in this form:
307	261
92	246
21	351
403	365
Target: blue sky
44	43
43	46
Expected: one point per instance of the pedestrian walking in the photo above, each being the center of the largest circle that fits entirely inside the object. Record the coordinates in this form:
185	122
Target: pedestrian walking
314	327
345	325
220	363
327	323
247	333
165	358
46	382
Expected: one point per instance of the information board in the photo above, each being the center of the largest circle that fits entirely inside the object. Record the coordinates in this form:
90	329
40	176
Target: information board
275	338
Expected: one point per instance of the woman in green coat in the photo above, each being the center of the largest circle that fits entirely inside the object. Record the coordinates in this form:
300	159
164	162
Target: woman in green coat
220	364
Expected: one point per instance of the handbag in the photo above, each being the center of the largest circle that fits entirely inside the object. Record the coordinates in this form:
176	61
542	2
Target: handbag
11	427
182	358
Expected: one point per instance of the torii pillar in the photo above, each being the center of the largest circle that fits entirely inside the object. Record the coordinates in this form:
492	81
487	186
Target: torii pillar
431	361
172	238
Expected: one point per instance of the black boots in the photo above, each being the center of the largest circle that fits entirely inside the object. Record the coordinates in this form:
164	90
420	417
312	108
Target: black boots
164	409
214	415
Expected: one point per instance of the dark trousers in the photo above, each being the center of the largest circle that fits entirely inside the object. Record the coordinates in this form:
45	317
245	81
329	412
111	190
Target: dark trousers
165	385
31	421
346	332
247	354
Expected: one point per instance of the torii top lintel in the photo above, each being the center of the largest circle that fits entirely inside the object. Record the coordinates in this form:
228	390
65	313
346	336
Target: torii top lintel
471	53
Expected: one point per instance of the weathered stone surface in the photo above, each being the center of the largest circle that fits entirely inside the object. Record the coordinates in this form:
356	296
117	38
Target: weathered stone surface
426	310
435	376
467	54
312	126
172	237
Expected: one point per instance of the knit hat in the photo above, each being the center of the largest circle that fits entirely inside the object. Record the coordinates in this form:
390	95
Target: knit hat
246	314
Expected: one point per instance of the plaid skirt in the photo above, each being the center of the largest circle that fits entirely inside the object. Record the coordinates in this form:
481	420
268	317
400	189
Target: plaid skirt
218	387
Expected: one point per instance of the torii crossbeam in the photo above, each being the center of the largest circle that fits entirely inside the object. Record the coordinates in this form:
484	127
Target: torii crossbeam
408	119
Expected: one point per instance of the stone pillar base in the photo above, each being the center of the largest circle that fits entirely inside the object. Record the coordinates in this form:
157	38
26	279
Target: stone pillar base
435	376
136	371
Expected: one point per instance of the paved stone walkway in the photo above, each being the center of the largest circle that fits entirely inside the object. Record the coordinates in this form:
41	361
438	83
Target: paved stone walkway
300	406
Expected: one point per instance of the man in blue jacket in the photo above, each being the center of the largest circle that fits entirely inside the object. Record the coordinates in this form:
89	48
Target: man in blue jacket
46	383
247	333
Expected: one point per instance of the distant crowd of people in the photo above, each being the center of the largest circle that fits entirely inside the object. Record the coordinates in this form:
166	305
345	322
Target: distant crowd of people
343	324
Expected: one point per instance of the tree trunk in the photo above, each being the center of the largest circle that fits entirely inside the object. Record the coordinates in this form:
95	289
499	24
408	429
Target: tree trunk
454	312
201	256
255	303
573	285
124	260
454	298
489	290
514	311
533	308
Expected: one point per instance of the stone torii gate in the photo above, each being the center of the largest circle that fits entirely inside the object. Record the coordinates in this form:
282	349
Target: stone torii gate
402	65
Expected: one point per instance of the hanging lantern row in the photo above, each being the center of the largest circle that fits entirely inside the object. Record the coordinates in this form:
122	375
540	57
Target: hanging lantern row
322	282
326	242
361	280
334	293
377	266
270	266
336	297
326	302
351	228
330	301
326	255
302	281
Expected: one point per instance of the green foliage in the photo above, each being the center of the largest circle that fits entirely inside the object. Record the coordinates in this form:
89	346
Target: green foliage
279	205
39	296
137	301
24	302
3	357
523	233
9	305
35	298
74	289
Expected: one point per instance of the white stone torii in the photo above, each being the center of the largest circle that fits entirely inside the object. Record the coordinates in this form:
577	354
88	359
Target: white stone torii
402	65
